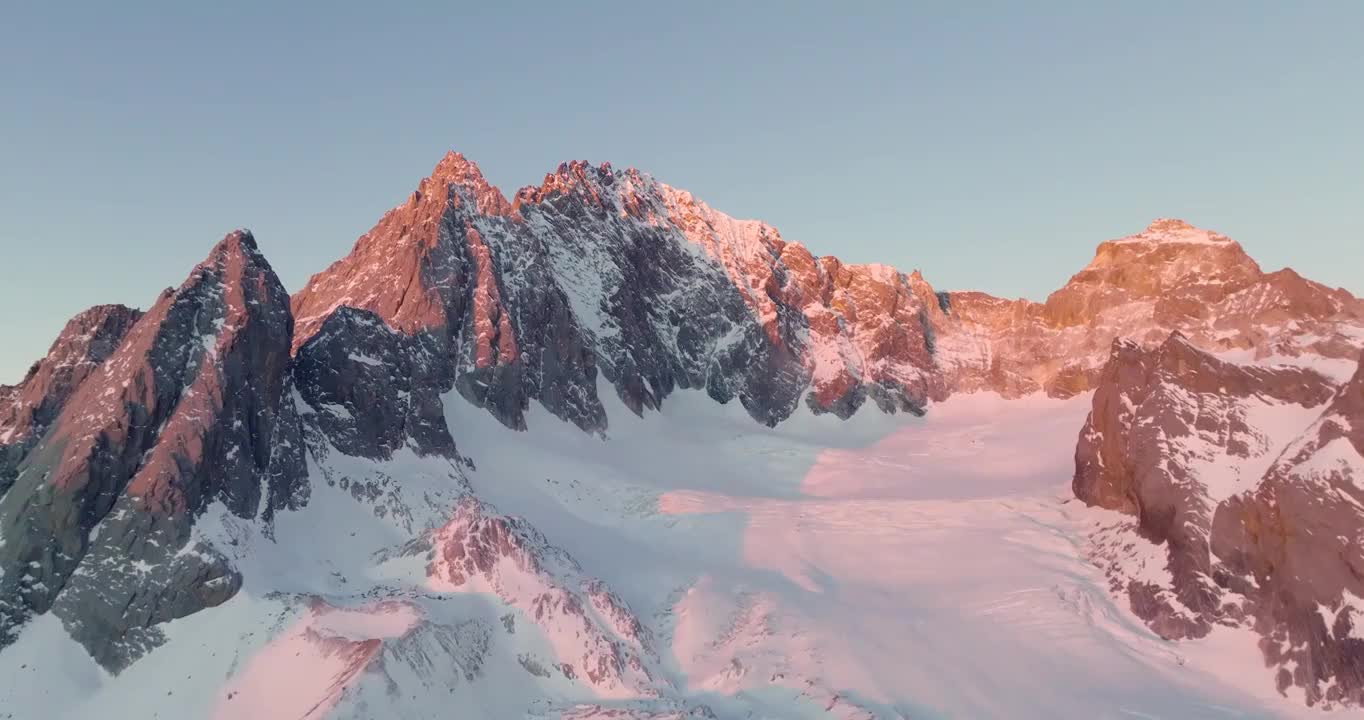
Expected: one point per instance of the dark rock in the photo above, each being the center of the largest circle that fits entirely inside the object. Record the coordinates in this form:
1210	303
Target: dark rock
374	390
192	408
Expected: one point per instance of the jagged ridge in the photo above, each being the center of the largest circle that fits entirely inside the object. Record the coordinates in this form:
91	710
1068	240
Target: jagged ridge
209	397
187	411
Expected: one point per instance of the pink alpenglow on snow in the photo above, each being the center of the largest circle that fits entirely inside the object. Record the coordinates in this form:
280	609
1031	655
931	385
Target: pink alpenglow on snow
305	669
604	451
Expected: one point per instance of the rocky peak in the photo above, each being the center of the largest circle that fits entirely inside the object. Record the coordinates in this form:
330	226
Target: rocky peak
573	245
1170	277
237	259
1168	255
576	178
83	344
1176	230
194	407
596	638
27	409
391	269
1164	224
461	177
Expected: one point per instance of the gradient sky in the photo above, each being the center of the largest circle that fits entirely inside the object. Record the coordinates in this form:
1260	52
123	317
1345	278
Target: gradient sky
991	145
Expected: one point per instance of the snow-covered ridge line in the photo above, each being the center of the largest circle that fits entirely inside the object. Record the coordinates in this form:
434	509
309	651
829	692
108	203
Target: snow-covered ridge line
237	449
603	270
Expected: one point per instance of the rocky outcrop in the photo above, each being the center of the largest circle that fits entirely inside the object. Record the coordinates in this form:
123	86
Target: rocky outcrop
1295	546
27	409
1173	432
1259	522
595	638
193	408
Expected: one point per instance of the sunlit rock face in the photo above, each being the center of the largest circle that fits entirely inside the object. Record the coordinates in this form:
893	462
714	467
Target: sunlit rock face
601	270
1295	543
1170	277
192	408
146	461
592	634
604	270
1174	431
1247	475
27	409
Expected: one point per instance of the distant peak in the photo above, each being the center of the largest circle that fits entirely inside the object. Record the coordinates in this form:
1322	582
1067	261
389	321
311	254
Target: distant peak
574	176
1169	225
238	255
238	243
455	165
238	246
1174	230
97	313
459	171
241	236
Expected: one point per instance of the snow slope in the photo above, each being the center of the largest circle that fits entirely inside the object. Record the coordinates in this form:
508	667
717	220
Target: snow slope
897	566
879	567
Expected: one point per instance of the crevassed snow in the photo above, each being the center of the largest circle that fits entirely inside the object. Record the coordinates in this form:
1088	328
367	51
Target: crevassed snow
880	567
921	567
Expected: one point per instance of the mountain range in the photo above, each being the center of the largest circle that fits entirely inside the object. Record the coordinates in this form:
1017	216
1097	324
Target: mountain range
308	465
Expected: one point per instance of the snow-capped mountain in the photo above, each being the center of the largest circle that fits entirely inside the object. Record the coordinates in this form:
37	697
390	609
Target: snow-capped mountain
492	459
193	407
1169	277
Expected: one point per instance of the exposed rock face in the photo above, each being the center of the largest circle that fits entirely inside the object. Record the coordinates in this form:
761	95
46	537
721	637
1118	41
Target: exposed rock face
597	640
374	389
193	407
1170	277
604	270
1297	544
1174	432
426	269
1257	527
27	409
115	446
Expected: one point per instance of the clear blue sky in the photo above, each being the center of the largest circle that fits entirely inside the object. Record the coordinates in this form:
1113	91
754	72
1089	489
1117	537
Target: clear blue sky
991	145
